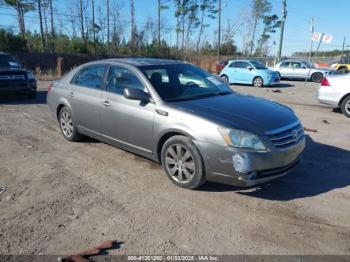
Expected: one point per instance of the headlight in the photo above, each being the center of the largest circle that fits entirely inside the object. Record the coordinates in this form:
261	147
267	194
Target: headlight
30	76
241	139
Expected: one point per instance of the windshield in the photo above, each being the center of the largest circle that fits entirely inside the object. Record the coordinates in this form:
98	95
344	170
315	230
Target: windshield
258	65
8	61
183	82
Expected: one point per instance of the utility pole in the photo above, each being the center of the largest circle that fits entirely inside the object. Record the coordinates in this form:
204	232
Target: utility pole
312	33
219	30
284	17
344	41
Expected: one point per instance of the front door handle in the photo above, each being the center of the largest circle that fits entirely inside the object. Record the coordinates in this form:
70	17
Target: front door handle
106	103
71	94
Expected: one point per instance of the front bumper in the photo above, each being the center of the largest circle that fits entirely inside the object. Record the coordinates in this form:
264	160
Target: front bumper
258	167
24	87
272	81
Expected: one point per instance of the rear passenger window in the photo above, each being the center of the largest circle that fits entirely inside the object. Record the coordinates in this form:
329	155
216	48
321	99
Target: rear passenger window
90	76
120	78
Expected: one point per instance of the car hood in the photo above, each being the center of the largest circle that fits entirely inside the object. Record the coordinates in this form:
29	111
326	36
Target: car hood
241	112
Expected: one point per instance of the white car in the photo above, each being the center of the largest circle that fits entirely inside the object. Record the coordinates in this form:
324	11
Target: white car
335	91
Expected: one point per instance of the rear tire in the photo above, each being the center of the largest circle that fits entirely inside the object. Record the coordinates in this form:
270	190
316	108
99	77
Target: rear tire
67	125
317	77
345	106
183	163
258	82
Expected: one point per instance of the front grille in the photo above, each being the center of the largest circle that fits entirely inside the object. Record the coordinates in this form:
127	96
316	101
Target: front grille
288	137
12	77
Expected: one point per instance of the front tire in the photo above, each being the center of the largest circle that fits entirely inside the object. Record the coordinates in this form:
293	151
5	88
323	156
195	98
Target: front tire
225	78
67	125
345	106
258	82
317	77
182	162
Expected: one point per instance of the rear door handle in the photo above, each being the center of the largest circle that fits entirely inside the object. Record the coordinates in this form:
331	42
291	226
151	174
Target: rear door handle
71	94
106	103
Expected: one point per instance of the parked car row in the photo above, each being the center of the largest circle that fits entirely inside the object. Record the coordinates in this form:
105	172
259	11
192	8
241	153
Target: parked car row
254	73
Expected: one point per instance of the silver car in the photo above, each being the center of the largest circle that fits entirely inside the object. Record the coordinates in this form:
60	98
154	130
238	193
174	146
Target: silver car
296	69
180	116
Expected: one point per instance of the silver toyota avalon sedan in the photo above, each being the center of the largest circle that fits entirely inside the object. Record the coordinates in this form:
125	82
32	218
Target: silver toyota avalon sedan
180	116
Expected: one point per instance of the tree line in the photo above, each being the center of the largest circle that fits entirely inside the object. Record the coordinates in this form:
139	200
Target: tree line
87	27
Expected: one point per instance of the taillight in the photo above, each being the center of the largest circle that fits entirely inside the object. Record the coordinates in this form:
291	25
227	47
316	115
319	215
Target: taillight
50	87
325	82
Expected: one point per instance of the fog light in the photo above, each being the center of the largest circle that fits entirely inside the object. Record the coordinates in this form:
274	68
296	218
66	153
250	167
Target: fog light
241	163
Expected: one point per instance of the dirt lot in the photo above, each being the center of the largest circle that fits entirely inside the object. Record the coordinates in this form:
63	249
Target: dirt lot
62	197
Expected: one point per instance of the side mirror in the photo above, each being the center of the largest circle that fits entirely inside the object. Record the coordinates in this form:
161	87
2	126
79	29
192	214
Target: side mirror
136	94
250	68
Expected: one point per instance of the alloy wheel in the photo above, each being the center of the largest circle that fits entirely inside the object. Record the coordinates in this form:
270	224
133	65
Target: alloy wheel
347	107
179	163
66	123
258	82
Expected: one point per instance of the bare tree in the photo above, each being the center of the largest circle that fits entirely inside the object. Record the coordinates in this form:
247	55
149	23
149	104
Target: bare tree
81	20
21	7
41	25
93	24
117	27
192	19
161	6
208	9
108	32
52	19
259	9
133	37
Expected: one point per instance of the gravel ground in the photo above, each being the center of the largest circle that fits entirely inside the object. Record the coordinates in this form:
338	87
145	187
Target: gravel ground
62	197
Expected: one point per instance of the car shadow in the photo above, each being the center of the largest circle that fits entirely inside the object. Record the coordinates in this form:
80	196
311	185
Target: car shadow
20	99
280	85
324	168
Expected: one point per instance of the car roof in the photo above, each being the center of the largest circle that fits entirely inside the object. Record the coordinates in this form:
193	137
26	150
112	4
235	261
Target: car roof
143	61
293	60
244	60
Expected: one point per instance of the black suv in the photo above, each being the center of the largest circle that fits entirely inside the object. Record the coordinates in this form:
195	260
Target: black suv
14	78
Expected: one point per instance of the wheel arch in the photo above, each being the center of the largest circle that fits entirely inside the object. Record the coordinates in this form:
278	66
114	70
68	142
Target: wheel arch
343	98
62	103
316	73
262	78
165	136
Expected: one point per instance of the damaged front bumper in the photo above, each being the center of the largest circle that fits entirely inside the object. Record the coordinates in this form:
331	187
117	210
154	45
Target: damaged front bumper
245	168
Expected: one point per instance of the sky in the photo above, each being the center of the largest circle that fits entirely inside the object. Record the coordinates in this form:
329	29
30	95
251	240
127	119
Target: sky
329	17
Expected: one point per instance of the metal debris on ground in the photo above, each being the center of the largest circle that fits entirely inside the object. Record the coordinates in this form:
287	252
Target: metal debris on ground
310	130
2	189
83	256
325	122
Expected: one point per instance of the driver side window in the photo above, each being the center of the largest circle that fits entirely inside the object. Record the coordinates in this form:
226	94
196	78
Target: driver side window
120	78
